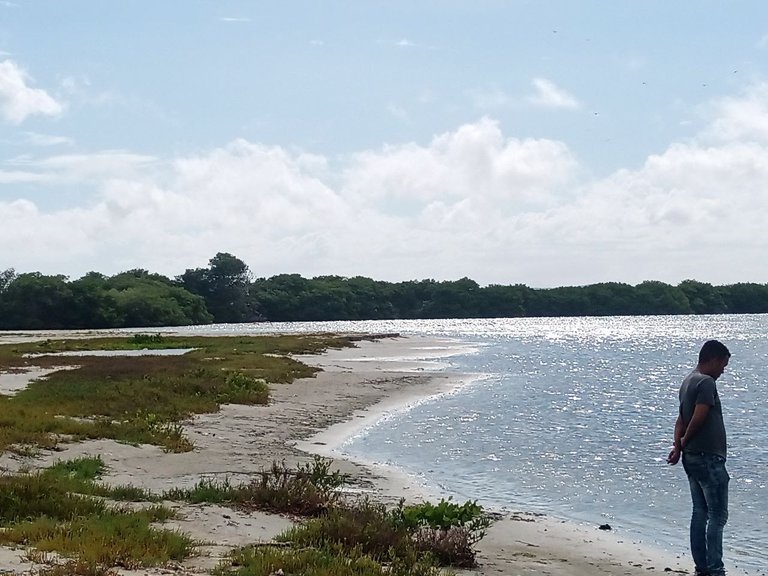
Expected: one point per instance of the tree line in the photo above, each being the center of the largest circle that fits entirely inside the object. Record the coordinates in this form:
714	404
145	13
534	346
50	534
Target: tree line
227	292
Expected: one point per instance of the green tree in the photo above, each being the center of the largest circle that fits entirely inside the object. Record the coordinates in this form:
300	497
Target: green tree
703	298
34	302
654	297
224	286
497	301
745	298
144	299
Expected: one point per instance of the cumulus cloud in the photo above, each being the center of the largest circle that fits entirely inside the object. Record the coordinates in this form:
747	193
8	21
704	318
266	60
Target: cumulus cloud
471	202
743	117
475	161
18	100
549	95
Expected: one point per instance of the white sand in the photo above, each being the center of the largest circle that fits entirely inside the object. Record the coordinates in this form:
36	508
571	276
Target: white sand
357	386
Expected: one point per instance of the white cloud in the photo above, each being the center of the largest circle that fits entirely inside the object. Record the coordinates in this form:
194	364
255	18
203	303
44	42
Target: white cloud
36	139
234	19
549	95
18	100
84	168
742	118
474	161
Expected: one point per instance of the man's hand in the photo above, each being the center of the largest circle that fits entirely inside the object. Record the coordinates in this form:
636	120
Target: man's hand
674	456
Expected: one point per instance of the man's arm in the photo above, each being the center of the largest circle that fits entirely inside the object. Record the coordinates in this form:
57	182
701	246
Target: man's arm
674	455
697	421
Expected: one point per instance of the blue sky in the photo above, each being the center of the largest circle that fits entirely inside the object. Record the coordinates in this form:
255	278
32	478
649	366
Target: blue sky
540	142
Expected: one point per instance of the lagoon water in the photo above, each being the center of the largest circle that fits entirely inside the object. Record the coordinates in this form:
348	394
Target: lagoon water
573	417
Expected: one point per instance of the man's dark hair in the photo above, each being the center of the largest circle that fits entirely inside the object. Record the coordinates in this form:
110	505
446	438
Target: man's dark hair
713	349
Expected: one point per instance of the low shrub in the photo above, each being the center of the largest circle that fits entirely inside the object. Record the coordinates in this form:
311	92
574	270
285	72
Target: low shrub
240	388
75	568
367	525
309	490
145	339
328	561
445	532
445	515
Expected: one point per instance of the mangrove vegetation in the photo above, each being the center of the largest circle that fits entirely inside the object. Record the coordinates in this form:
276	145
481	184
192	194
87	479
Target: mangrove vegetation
228	292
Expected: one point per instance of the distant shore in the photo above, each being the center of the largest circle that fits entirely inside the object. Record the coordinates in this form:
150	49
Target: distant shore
316	415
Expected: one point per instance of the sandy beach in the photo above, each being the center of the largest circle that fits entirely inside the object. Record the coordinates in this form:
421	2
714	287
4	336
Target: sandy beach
315	415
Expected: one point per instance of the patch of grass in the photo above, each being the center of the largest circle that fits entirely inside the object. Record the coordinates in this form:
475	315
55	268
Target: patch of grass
80	469
148	340
110	538
367	525
41	510
330	561
142	399
402	532
75	568
26	497
80	475
309	490
206	492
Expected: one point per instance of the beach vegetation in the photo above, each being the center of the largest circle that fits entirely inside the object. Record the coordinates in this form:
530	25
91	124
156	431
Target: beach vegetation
412	532
73	568
308	490
82	475
46	510
328	561
446	515
142	399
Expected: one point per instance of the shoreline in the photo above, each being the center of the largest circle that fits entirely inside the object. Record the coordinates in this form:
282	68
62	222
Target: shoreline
426	361
357	387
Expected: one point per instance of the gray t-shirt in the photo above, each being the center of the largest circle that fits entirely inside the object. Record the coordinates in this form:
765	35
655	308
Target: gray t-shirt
698	388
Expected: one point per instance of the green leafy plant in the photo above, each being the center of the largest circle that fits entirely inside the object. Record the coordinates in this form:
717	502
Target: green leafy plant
145	339
446	514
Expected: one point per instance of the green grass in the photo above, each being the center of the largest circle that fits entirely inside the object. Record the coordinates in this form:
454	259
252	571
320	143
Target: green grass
309	490
80	475
44	510
110	538
142	399
75	568
266	560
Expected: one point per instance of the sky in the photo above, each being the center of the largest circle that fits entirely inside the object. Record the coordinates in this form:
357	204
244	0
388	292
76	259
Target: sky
541	142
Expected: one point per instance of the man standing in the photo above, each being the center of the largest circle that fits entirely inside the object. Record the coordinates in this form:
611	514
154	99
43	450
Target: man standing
700	438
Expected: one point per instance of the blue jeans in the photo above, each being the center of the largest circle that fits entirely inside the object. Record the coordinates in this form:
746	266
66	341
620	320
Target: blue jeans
709	491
